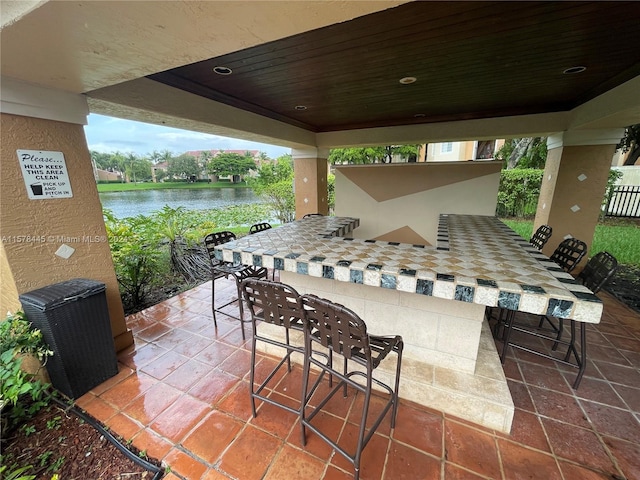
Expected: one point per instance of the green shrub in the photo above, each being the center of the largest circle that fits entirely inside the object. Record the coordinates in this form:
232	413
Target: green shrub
150	251
614	176
518	192
136	258
274	183
520	188
282	199
331	192
22	394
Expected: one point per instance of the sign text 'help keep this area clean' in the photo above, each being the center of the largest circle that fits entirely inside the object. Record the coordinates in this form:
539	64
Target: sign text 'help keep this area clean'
45	174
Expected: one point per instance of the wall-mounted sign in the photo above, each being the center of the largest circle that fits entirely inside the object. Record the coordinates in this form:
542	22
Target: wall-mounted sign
45	174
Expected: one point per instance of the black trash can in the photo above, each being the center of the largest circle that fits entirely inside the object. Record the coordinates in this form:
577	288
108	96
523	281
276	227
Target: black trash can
74	320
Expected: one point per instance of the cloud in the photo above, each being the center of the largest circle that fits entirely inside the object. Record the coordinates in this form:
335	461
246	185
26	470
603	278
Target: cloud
108	135
181	135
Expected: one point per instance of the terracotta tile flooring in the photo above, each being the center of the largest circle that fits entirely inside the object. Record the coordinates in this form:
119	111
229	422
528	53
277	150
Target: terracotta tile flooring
182	396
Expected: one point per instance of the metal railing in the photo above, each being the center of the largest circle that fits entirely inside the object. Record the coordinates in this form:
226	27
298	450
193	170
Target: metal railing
624	201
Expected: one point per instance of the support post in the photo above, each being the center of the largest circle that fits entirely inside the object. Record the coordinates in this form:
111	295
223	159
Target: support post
310	183
574	184
34	229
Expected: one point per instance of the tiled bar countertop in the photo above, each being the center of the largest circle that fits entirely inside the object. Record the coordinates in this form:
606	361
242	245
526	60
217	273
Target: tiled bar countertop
450	362
477	259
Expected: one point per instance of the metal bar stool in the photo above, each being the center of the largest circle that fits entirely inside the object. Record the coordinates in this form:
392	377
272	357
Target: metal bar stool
261	227
595	275
343	333
220	268
541	236
567	255
538	240
277	304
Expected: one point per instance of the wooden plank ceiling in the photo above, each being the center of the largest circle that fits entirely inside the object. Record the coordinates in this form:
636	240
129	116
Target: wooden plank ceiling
471	60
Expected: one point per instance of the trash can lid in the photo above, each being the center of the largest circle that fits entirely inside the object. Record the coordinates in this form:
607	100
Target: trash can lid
57	294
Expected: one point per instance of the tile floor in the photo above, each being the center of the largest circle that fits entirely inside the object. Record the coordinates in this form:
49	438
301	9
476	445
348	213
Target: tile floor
182	396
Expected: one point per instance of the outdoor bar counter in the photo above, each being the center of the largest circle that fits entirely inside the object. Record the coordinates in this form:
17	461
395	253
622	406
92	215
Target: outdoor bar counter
434	296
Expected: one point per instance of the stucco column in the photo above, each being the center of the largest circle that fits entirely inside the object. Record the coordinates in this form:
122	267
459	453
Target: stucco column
310	183
33	230
574	184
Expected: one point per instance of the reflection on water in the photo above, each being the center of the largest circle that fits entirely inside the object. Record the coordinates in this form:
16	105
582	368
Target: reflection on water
144	202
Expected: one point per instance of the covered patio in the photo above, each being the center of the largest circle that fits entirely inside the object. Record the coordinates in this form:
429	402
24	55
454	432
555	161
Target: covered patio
182	396
313	76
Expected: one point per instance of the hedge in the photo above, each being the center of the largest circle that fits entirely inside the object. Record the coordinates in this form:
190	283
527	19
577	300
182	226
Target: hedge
518	192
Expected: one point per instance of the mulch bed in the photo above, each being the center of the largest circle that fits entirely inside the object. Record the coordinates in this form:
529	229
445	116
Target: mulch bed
56	441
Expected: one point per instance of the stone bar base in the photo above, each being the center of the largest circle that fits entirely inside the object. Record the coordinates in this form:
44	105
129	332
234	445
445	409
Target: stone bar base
450	362
445	332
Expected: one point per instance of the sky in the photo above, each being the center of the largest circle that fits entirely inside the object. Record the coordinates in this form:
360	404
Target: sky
110	135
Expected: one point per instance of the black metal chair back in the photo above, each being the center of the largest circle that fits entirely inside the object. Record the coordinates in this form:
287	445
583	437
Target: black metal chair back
541	236
220	268
259	227
598	270
280	305
342	332
212	240
569	253
338	328
273	302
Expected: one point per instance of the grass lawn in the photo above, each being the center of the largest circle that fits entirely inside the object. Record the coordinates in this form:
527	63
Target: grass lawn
127	187
621	238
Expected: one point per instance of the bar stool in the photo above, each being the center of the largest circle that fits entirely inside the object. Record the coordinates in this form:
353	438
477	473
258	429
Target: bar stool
598	270
567	255
277	304
259	227
541	236
538	240
595	275
344	333
220	268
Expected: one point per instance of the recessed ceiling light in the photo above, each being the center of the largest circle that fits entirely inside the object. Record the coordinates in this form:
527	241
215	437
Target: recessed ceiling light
300	107
419	115
223	70
571	70
408	80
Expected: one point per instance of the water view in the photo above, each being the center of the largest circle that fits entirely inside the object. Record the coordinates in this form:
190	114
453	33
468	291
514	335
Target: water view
144	202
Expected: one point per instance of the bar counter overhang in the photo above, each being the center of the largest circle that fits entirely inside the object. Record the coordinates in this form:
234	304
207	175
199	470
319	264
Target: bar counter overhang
435	297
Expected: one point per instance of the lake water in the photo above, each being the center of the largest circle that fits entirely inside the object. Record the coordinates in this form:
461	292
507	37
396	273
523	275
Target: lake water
144	202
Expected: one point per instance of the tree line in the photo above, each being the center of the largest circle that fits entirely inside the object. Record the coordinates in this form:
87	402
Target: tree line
137	168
